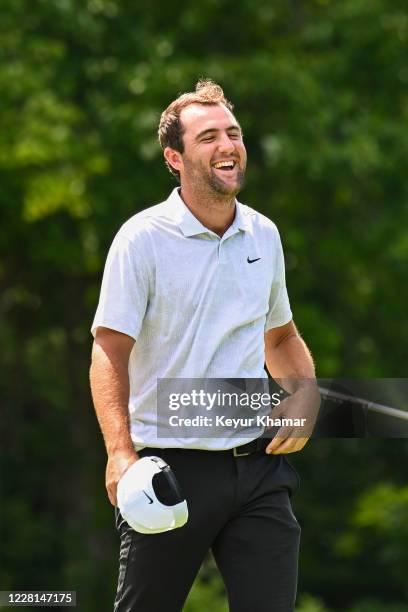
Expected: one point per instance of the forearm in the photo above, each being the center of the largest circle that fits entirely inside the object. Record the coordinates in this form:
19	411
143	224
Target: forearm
289	362
109	379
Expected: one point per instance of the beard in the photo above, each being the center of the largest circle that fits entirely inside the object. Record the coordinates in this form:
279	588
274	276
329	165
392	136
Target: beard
224	189
205	181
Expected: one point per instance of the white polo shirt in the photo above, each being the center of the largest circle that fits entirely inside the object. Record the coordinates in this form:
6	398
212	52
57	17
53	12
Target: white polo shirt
197	305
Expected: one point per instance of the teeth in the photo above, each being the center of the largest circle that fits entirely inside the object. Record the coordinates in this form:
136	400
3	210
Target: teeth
224	164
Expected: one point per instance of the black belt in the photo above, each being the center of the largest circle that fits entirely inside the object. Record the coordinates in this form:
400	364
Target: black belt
251	447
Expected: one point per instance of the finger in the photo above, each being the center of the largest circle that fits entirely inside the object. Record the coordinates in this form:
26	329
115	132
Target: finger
281	436
276	442
291	445
278	411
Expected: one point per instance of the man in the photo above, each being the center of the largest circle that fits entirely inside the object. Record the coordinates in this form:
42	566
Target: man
195	288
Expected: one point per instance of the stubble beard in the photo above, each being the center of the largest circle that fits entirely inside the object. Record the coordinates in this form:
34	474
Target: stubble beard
222	189
211	186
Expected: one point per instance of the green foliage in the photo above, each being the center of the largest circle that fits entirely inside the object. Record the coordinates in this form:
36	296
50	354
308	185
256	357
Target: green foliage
320	89
207	592
379	522
308	603
372	605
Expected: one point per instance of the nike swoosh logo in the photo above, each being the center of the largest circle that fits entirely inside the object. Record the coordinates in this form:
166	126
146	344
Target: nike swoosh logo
148	497
252	260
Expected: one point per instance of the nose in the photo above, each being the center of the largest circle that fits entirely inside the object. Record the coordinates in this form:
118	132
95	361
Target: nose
225	144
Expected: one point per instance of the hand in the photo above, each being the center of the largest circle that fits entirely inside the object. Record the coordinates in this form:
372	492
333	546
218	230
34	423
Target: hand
303	404
115	468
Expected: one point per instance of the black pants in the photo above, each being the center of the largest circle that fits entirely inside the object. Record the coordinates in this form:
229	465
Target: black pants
240	508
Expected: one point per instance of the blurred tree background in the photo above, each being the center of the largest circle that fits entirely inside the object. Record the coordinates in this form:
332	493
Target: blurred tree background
320	88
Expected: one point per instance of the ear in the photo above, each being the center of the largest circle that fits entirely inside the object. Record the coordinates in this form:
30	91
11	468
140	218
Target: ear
173	158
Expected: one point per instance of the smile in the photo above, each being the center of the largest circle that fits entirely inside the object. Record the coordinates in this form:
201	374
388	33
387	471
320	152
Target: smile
225	165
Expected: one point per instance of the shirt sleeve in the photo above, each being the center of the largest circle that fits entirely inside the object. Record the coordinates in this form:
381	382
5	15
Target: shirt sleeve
279	312
125	289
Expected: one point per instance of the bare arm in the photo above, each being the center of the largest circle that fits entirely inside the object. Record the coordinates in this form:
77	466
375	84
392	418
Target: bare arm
109	379
290	363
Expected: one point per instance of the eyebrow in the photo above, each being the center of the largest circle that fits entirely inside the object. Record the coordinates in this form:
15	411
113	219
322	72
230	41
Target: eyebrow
214	130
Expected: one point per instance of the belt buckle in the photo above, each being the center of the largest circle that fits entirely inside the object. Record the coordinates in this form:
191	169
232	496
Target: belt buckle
236	453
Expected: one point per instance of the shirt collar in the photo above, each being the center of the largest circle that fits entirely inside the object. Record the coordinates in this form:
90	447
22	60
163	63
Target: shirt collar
190	225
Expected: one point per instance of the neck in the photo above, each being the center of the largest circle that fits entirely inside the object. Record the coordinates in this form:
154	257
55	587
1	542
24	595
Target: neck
213	210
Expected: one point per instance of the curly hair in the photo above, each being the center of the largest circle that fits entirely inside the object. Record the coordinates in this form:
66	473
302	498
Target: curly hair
170	127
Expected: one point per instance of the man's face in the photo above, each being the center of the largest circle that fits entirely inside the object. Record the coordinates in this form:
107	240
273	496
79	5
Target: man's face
214	153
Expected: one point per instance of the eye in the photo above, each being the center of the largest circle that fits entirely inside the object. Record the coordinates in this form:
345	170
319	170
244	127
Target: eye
207	139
